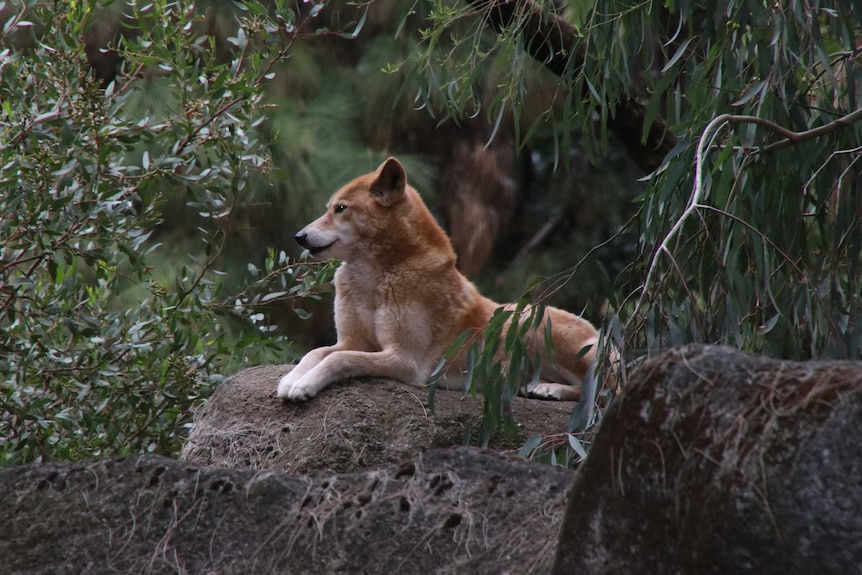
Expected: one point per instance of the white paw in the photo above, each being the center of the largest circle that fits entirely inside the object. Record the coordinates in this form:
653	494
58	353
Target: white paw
544	391
285	384
300	391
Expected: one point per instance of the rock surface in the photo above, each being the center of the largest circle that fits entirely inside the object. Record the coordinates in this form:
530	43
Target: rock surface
713	461
352	426
455	510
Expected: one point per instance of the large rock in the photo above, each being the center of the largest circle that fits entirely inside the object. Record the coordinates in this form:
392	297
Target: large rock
447	511
713	461
350	426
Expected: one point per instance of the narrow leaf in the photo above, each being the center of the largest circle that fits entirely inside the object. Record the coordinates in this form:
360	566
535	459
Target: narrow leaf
577	446
531	444
679	54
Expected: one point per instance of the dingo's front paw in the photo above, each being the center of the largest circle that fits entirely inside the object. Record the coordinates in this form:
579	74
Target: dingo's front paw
295	390
285	384
301	392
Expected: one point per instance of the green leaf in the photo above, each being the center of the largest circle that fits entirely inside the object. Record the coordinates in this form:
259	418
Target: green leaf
680	52
755	90
530	445
577	446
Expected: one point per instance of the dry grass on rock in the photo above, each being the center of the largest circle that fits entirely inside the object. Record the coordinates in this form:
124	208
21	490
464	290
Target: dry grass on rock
352	426
453	510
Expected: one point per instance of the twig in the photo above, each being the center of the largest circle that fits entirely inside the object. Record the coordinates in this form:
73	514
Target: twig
54	113
558	281
129	82
540	235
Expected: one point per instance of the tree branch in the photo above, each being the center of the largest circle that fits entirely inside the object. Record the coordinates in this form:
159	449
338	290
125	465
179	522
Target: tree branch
705	144
555	44
791	138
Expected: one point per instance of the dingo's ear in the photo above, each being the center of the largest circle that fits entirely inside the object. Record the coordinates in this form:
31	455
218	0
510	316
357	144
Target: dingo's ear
390	183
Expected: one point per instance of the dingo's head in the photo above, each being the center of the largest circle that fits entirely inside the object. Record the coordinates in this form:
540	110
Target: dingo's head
360	215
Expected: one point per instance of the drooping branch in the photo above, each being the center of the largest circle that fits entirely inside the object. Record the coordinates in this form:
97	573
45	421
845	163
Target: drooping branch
705	143
554	43
791	138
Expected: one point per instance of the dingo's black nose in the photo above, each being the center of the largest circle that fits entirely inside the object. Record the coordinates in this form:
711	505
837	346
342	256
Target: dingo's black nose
302	239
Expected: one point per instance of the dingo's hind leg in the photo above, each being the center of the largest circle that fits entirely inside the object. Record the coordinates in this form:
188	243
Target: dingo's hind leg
558	391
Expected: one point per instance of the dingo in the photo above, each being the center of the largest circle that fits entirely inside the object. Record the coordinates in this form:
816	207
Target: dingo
400	302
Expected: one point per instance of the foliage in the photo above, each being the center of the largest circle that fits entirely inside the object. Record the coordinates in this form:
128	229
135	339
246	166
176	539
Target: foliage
775	245
500	366
749	230
759	246
85	183
489	369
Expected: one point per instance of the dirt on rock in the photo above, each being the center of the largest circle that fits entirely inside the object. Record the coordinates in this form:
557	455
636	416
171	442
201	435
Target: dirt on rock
351	426
457	510
714	461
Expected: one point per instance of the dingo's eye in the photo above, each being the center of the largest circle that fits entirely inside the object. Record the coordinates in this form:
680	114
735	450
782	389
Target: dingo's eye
340	208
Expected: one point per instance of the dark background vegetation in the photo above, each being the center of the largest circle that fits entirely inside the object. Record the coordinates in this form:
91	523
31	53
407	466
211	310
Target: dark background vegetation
157	160
335	114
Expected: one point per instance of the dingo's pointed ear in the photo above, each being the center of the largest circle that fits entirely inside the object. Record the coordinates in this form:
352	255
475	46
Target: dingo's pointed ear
390	183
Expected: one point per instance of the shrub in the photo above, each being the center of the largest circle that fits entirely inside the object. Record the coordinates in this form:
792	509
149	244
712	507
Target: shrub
87	165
